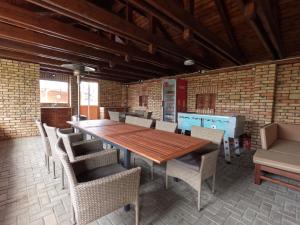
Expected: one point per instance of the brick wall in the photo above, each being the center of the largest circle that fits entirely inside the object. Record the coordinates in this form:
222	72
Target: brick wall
287	98
111	93
153	90
19	98
262	93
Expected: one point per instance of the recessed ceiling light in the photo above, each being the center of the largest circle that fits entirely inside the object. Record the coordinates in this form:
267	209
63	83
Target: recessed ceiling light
189	62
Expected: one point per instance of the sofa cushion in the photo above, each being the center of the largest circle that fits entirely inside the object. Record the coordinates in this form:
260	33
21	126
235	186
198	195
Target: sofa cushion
286	147
100	172
191	160
289	132
278	160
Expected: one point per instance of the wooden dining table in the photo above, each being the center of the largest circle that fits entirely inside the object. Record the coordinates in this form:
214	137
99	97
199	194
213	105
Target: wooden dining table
156	145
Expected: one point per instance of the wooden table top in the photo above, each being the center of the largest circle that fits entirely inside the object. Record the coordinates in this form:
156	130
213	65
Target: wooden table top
158	146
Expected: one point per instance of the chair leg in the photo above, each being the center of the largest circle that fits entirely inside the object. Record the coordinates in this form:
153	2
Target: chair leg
48	164
199	198
62	178
257	174
118	155
167	179
137	213
152	172
213	183
45	156
53	164
73	218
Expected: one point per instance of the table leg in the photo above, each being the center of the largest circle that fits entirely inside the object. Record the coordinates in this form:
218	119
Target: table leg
237	149
127	165
227	149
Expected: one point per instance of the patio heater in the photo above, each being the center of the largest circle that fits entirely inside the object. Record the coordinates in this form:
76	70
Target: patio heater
78	69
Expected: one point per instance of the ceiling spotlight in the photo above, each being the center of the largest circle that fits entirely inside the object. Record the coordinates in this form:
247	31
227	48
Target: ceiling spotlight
189	62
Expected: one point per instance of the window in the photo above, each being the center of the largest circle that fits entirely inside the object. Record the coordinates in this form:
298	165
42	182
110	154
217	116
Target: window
54	91
143	100
88	93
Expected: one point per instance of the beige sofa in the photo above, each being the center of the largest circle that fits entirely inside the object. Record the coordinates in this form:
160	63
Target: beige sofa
280	154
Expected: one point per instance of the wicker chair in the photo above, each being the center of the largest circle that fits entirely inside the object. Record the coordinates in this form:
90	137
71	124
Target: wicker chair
99	186
198	166
114	116
159	125
165	126
79	149
138	121
46	144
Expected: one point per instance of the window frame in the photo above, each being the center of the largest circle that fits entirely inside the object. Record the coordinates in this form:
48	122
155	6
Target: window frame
55	103
98	94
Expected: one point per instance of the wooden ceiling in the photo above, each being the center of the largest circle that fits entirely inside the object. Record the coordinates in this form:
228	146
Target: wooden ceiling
131	40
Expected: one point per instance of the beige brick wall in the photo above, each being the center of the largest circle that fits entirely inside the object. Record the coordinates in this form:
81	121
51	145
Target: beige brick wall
19	99
251	91
287	98
154	91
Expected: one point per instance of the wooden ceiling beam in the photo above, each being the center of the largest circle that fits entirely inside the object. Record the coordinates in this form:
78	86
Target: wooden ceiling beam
88	75
251	14
48	42
163	30
38	23
87	13
24	48
37	59
228	27
202	35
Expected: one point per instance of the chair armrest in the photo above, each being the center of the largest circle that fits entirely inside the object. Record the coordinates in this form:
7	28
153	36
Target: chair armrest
98	159
268	135
87	145
106	194
67	130
76	137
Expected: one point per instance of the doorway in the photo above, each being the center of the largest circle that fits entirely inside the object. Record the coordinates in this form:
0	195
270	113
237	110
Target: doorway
89	99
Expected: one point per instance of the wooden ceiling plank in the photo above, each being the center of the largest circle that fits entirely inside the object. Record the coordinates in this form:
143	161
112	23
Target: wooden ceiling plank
210	41
86	12
228	27
164	31
36	22
267	11
189	6
250	12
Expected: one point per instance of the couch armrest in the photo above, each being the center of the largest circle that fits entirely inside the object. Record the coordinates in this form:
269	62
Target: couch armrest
268	135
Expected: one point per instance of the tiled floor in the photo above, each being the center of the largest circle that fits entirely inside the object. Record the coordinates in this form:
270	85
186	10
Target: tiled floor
29	195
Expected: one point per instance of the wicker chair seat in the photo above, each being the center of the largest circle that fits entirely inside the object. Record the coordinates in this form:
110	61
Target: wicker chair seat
209	148
100	172
191	161
86	147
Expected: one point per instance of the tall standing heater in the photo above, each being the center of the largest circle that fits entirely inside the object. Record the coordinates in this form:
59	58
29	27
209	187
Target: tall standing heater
78	69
